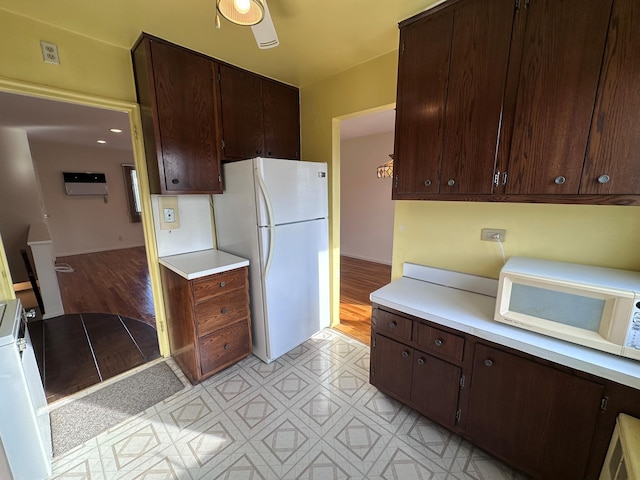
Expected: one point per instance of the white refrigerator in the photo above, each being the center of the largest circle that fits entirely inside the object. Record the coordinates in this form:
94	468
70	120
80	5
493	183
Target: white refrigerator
274	213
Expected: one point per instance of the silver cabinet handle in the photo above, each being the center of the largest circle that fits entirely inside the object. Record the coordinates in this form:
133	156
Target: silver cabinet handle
488	363
405	354
223	311
427	183
438	342
223	284
451	182
227	346
604	179
421	361
393	324
560	180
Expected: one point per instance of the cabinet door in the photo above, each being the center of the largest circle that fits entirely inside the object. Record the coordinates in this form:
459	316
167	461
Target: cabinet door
392	363
423	66
538	417
242	120
281	120
186	107
562	53
479	55
435	388
614	145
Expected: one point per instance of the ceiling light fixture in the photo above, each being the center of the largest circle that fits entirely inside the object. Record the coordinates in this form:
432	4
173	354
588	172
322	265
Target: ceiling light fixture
240	12
115	130
101	141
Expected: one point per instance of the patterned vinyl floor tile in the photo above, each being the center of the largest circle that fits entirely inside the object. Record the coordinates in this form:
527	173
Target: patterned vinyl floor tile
310	414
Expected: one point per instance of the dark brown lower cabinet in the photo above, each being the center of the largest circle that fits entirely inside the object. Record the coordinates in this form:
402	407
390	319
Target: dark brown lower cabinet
538	417
547	420
435	388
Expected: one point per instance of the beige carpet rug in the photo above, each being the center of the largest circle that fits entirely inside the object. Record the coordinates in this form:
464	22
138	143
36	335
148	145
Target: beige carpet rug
76	422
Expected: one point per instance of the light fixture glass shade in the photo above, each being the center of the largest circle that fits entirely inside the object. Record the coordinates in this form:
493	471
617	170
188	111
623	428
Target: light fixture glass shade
241	12
386	170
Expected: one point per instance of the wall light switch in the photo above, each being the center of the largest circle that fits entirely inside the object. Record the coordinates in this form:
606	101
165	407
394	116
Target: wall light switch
168	212
169	215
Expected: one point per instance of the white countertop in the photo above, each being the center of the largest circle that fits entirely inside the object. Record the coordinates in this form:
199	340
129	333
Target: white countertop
472	313
202	263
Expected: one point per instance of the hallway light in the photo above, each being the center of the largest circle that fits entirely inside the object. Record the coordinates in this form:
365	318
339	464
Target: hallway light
386	170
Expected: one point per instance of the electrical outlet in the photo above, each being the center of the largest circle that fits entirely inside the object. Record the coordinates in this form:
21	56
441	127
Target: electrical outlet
493	234
50	52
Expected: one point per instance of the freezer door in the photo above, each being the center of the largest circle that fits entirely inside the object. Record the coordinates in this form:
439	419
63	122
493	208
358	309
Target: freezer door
290	191
295	285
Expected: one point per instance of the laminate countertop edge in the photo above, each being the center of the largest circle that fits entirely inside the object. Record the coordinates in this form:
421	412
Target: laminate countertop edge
202	263
472	313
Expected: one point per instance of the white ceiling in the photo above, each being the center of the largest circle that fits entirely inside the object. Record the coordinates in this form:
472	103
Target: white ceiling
50	121
368	124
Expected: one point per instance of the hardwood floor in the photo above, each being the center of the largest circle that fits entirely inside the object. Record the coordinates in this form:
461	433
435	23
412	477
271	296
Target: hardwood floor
358	278
115	281
80	350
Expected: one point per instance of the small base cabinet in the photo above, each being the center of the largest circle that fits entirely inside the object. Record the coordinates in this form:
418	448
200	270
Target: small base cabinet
208	320
547	420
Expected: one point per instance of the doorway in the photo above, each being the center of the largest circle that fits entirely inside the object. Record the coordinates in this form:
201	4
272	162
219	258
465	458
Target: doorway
366	217
103	274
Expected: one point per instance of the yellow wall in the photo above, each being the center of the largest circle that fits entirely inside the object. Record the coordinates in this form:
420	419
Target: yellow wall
371	85
86	65
447	234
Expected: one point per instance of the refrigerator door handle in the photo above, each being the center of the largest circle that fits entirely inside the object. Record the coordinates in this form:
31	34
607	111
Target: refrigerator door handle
270	226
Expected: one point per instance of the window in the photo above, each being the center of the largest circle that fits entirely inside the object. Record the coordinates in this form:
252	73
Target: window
133	193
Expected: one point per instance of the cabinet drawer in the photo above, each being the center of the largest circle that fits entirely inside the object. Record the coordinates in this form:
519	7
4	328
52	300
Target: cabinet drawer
224	347
393	324
219	284
444	343
221	311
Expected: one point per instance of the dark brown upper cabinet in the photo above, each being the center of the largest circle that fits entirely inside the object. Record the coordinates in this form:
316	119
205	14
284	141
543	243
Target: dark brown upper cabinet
451	77
260	117
178	97
612	165
521	101
562	47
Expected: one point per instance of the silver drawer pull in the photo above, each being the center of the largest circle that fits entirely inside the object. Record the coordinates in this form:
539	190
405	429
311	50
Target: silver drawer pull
393	324
223	284
421	361
560	180
405	354
604	179
438	342
488	363
227	346
223	311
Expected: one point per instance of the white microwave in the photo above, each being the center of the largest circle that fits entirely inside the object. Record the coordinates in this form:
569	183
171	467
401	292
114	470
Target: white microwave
591	306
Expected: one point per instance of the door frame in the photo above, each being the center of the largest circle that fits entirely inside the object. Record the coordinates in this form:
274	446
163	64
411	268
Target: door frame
133	112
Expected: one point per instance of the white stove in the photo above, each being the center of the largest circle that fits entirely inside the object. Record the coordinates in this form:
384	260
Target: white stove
25	431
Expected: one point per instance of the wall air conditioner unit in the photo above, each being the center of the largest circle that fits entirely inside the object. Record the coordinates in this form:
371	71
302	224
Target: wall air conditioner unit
76	183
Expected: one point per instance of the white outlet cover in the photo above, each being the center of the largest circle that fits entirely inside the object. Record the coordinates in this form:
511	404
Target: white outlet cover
50	52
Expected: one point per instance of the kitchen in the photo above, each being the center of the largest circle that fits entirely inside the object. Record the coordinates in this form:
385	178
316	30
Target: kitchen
440	234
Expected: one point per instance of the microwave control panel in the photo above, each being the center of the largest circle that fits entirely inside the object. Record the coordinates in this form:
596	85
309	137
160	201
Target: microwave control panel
633	335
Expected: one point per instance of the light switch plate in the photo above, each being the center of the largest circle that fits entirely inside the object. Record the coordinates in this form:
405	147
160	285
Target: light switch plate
168	212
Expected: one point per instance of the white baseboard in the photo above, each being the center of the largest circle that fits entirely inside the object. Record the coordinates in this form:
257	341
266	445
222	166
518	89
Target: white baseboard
359	257
84	252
